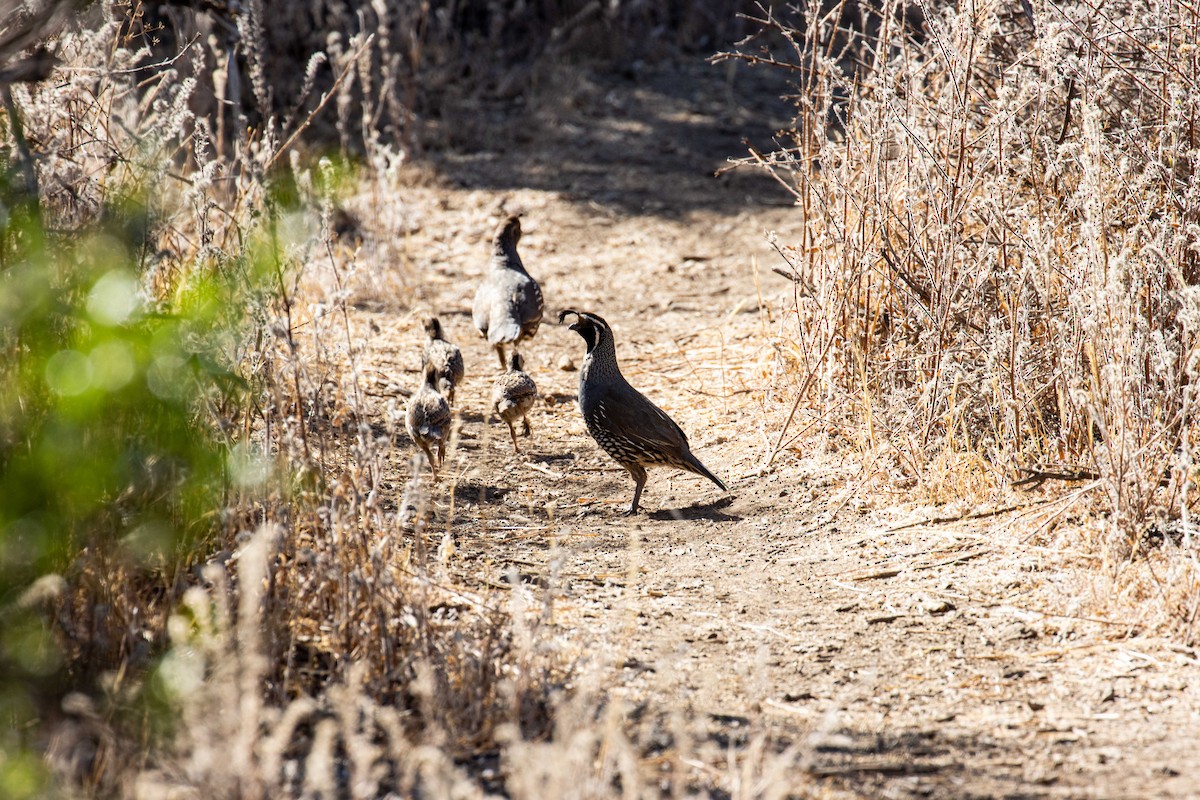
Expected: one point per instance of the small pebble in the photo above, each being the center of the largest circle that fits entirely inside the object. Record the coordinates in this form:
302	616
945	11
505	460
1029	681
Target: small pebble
566	364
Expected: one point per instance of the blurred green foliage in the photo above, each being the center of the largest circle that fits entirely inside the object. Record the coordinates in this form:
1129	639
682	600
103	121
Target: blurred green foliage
109	455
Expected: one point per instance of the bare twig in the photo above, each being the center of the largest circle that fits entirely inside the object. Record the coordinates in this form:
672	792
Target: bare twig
325	98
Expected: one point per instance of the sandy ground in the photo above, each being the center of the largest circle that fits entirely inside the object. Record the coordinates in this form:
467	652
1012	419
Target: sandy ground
903	657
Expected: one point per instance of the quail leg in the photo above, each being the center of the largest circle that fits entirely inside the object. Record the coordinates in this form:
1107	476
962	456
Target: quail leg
429	458
639	477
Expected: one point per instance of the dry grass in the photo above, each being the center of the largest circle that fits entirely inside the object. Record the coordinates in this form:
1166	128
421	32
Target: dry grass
311	585
316	643
999	267
987	283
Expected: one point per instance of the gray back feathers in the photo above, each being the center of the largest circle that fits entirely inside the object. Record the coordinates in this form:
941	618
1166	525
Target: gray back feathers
508	304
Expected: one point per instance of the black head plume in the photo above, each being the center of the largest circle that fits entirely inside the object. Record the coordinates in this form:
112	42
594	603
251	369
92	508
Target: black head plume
590	326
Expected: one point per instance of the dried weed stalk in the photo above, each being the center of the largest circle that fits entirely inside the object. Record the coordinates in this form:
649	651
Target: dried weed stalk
323	650
1000	272
1000	263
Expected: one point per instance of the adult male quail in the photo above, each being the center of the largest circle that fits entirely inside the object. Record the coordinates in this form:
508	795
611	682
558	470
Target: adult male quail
508	304
513	394
446	358
631	429
428	419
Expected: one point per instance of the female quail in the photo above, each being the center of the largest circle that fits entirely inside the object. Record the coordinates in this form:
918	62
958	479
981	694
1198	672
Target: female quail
513	394
446	358
508	304
428	419
631	429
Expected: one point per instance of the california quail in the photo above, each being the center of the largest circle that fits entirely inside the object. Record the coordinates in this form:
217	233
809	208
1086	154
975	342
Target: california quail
446	358
513	394
508	304
631	429
428	419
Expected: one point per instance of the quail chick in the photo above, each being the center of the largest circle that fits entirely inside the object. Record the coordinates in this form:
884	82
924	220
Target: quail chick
508	304
513	395
630	428
446	358
428	419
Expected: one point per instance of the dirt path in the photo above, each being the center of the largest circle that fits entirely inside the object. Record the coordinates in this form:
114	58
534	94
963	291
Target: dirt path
935	660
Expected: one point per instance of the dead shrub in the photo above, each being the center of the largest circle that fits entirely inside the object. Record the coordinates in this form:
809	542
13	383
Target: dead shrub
1001	244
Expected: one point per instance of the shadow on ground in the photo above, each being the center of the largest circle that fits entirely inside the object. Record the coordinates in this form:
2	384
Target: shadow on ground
710	511
615	141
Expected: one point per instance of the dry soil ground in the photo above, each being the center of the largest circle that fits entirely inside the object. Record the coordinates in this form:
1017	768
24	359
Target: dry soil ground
903	657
